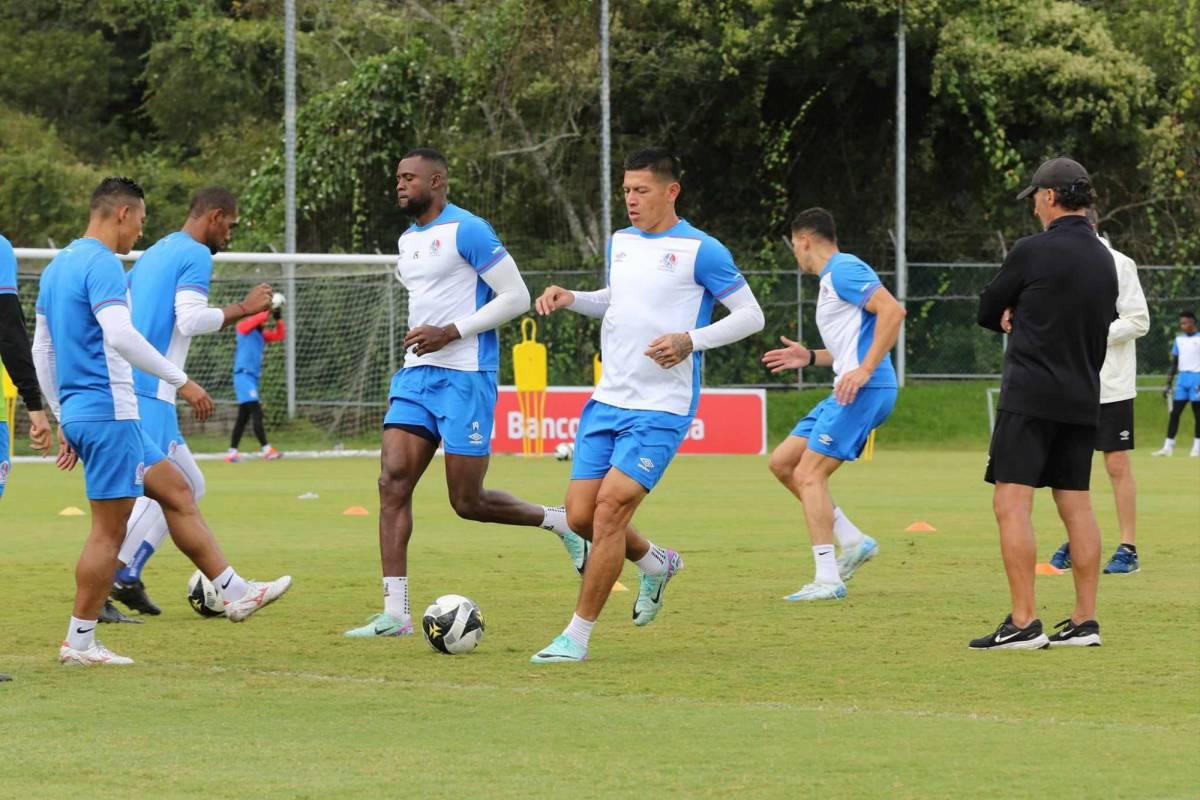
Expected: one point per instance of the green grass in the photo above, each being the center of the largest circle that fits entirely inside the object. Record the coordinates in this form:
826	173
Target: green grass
731	693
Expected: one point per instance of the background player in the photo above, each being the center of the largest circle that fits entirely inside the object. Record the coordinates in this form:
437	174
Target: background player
462	285
664	275
1118	388
168	290
84	347
1185	374
859	321
252	337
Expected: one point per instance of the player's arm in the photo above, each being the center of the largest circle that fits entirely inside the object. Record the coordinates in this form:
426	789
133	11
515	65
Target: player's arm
889	316
999	297
15	351
194	316
745	319
510	301
251	322
794	355
1171	371
590	304
277	332
1133	315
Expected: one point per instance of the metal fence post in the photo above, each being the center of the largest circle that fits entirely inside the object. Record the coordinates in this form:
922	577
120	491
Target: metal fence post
289	193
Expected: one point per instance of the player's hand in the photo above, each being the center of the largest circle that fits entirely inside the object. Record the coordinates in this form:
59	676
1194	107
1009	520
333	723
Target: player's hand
258	299
67	457
793	356
198	399
40	438
425	339
1167	390
849	384
1006	320
554	298
669	350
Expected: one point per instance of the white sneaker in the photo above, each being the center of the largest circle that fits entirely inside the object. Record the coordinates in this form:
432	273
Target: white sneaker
1195	453
95	655
1166	451
258	594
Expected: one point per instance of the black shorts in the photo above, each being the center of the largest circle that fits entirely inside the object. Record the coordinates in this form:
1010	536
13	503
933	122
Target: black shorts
1115	431
1040	452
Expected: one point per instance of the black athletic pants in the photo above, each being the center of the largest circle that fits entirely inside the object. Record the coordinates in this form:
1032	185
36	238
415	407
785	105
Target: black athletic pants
247	412
1177	412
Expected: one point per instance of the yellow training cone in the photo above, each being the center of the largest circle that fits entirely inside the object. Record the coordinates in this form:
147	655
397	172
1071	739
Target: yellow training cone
920	527
356	511
71	511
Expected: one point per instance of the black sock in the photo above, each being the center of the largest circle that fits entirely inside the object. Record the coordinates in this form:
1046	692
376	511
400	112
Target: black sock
1130	547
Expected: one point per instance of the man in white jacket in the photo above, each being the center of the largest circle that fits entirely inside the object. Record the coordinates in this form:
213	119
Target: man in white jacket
1118	388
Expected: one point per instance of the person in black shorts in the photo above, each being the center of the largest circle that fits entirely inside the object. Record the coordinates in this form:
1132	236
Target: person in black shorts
1055	294
1118	388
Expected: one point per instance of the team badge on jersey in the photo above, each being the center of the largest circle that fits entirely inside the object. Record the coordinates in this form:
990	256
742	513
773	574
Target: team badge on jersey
668	262
4	467
436	247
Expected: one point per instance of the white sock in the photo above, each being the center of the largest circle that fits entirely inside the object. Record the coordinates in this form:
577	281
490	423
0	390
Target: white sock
555	519
1169	444
827	571
579	631
395	597
81	641
266	447
233	587
232	450
1196	443
846	532
654	562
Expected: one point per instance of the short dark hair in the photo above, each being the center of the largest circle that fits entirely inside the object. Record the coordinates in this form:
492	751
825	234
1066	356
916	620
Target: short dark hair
429	154
818	221
114	192
1078	195
1189	314
658	160
210	198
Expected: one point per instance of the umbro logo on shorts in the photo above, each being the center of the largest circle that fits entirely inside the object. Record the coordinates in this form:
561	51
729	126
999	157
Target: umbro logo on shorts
4	467
646	464
1124	436
140	475
825	438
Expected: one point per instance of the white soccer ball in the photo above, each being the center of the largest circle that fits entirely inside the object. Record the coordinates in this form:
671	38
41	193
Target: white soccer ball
203	596
453	624
565	451
278	300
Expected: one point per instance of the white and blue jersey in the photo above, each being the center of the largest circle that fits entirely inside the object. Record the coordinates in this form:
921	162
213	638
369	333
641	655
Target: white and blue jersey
1186	349
441	265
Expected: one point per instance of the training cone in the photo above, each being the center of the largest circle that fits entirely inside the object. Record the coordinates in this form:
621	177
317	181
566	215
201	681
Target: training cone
308	496
1045	568
356	511
920	527
619	587
71	511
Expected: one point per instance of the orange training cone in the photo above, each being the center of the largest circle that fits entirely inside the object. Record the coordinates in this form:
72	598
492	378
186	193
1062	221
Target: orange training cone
1044	568
920	527
356	511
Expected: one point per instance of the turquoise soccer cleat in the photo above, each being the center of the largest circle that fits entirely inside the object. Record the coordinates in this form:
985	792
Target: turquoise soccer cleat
818	591
563	650
850	560
578	548
382	625
650	596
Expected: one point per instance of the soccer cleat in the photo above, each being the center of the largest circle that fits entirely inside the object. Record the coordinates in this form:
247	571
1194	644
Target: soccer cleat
650	597
1166	451
849	561
1195	452
1085	634
94	656
134	597
1123	562
1010	637
271	454
233	457
258	595
382	625
1062	557
818	591
5	677
111	613
578	548
563	650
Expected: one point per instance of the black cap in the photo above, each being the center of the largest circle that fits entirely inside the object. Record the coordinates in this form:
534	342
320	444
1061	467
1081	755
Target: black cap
1054	173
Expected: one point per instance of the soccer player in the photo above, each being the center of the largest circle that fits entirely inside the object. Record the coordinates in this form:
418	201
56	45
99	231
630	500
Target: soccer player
1056	295
1118	388
252	337
1185	362
168	291
462	285
664	275
84	348
859	321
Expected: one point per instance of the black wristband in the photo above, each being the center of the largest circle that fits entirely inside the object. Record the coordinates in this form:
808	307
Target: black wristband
812	357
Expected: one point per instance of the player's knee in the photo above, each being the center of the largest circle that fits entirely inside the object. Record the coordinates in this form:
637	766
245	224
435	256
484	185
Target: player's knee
611	514
808	478
579	520
470	506
395	488
782	466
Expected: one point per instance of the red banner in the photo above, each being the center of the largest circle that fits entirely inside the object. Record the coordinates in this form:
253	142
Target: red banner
727	421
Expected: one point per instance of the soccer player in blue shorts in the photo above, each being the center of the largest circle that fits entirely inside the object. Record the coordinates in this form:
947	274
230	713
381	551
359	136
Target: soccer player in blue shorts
462	285
252	337
85	348
859	321
1185	375
664	276
168	294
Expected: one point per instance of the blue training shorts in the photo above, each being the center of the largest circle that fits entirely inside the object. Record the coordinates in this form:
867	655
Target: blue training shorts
841	431
455	406
5	464
638	443
115	456
1187	387
245	386
160	423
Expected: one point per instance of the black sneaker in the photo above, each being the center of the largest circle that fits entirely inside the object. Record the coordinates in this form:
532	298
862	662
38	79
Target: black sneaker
4	677
1085	634
134	596
110	614
1010	637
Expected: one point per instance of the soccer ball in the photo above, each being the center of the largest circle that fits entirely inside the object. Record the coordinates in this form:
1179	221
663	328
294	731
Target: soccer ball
565	451
453	624
278	300
203	597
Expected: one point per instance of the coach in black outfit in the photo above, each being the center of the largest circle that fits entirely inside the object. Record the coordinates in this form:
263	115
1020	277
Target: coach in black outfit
1056	294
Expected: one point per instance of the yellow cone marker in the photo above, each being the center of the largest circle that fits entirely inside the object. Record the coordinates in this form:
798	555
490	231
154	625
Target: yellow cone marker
920	526
619	587
71	511
356	511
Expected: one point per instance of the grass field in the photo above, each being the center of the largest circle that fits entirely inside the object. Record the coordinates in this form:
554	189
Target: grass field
731	693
